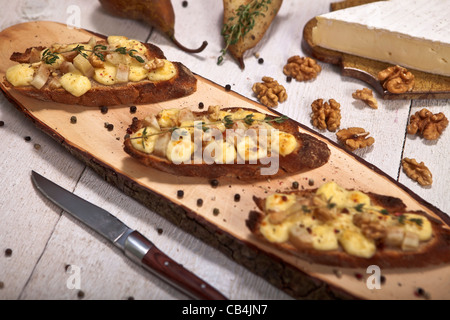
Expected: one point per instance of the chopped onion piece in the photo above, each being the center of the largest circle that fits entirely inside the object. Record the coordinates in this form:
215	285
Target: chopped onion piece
185	115
410	241
69	55
92	42
82	64
122	73
394	236
35	55
41	77
150	121
67	67
161	144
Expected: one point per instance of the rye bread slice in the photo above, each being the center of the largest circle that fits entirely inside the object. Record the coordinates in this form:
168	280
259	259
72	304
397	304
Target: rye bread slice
182	84
310	153
436	251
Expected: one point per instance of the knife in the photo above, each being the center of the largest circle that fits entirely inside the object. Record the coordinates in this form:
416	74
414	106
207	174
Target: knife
135	246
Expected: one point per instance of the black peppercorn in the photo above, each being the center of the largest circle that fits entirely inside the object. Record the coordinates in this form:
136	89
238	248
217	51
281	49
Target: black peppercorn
295	185
104	109
199	202
201	105
180	194
133	109
8	253
73	119
27	138
237	197
260	60
227	87
216	211
214	183
2	123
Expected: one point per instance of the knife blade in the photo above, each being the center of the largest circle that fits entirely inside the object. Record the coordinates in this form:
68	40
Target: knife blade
135	245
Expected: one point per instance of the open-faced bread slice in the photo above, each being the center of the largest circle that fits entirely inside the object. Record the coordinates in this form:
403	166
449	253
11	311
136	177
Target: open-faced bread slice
348	228
233	142
99	73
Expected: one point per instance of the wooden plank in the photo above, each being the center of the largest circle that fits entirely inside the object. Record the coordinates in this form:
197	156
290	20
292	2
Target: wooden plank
101	150
33	216
106	274
27	224
434	154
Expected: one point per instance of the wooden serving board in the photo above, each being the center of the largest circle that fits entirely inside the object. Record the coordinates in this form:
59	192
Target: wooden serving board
102	150
427	85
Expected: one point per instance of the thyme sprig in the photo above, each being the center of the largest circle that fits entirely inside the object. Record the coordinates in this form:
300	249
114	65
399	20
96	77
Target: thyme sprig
360	208
239	25
99	51
227	121
49	57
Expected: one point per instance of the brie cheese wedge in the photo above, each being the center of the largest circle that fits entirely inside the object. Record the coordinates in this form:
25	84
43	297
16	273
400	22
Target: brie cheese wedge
411	33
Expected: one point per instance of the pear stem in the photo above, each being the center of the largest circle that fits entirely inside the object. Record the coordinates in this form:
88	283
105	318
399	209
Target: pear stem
179	45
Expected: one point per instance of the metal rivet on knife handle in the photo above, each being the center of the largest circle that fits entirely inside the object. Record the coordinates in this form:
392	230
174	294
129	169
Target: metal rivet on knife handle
157	262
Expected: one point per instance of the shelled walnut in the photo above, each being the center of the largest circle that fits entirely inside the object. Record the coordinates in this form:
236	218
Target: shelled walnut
326	115
366	95
301	68
354	138
372	229
396	79
269	92
417	171
428	125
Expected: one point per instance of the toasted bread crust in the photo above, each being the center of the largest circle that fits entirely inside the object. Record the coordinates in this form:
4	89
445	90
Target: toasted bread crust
142	92
433	252
310	153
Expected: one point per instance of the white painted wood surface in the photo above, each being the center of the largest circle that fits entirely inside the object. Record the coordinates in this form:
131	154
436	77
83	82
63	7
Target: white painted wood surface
38	243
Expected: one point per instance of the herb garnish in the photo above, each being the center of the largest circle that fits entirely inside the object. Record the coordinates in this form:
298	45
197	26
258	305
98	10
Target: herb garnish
99	51
402	218
49	57
227	121
236	29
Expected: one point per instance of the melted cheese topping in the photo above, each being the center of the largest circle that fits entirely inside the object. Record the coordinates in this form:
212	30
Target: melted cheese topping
20	74
75	83
219	143
302	225
146	144
167	72
106	75
23	74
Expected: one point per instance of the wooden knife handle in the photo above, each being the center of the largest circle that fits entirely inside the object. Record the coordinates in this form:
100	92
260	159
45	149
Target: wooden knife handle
170	271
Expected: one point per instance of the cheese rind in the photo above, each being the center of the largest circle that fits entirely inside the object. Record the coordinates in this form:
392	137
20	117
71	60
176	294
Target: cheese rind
413	34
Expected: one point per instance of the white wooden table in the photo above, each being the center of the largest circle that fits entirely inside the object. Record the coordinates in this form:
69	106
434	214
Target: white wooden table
38	243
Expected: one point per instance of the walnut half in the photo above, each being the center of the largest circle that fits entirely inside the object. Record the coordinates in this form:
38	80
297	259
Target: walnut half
354	138
326	115
269	92
417	171
372	229
428	125
366	95
396	79
302	69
